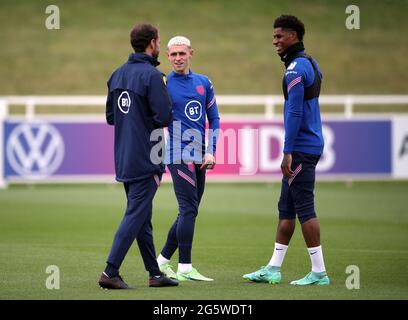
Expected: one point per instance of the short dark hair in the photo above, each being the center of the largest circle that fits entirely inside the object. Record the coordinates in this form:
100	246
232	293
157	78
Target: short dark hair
141	35
292	23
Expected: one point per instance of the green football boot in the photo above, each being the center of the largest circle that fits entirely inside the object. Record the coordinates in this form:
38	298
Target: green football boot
266	274
193	275
167	269
313	278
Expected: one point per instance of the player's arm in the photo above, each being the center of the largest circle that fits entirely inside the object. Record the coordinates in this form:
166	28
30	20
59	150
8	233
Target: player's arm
293	117
214	126
110	119
159	100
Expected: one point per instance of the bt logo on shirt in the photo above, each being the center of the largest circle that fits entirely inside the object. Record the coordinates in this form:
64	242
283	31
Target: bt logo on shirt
193	110
124	102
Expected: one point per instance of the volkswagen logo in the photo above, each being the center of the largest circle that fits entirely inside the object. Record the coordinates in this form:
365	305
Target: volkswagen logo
35	150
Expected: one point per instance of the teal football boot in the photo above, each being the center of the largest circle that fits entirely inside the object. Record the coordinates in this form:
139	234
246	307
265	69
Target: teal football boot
313	278
266	274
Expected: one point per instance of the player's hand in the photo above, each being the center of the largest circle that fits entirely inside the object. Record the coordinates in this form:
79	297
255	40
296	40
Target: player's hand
208	162
286	165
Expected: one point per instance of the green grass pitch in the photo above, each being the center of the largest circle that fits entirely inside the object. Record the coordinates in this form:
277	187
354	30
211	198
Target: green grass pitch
72	226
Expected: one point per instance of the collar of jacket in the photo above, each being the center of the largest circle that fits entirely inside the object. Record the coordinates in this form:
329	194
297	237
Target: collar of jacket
143	57
291	52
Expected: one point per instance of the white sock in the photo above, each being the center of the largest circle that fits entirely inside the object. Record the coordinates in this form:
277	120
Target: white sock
184	267
162	260
278	255
316	257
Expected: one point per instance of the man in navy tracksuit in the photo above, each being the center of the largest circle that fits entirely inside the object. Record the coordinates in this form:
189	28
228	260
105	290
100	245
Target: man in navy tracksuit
303	147
137	104
187	156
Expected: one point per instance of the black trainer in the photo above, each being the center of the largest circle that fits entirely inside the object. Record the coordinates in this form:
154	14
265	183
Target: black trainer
112	283
162	281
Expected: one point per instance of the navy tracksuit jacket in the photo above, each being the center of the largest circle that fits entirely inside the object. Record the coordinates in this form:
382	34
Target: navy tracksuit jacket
137	104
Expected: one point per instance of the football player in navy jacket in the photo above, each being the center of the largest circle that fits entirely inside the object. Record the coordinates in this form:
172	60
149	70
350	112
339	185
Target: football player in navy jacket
137	104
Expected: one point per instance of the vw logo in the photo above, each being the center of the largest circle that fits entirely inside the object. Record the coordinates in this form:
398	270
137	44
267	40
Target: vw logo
124	102
35	150
193	110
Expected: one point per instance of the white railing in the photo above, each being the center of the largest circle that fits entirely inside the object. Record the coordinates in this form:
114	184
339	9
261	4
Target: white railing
268	101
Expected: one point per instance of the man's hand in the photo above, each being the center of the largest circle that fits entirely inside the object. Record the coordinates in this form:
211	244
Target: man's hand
208	162
286	165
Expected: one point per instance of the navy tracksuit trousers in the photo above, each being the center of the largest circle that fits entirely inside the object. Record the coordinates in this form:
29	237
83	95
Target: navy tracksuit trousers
189	183
137	224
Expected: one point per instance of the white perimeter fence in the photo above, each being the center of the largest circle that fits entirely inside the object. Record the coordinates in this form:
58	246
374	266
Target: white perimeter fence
268	101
